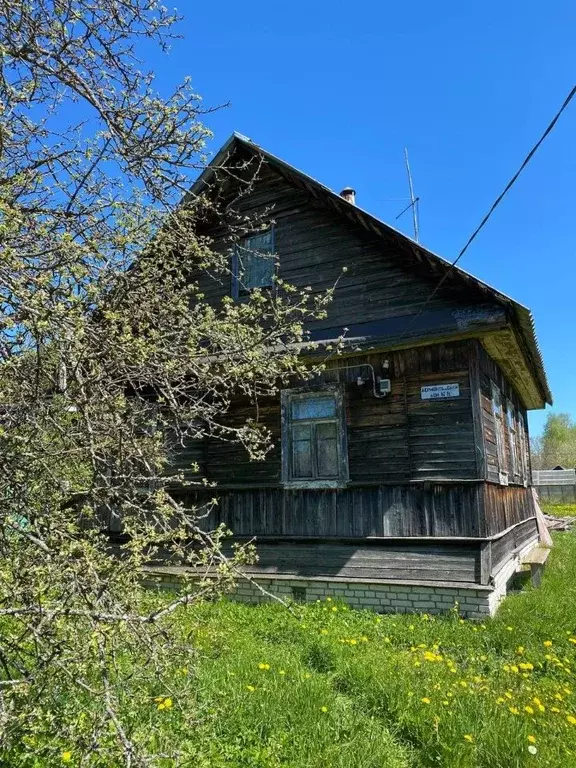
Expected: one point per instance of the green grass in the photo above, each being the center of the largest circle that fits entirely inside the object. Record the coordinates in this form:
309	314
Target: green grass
323	686
561	510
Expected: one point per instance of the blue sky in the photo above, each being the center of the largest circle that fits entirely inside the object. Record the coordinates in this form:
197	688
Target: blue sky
339	88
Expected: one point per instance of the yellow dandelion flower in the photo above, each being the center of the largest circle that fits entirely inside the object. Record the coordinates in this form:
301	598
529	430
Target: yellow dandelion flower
66	756
571	719
328	599
508	695
463	683
425	700
536	701
520	650
532	739
334	608
250	688
510	629
500	700
364	639
353	641
547	643
514	710
446	703
264	666
529	709
572	640
323	631
514	668
567	691
554	709
324	709
468	737
161	706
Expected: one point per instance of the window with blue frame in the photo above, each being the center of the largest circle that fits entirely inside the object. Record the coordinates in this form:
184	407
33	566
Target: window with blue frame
314	438
254	263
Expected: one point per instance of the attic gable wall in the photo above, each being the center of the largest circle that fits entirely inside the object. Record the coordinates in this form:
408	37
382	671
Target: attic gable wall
315	245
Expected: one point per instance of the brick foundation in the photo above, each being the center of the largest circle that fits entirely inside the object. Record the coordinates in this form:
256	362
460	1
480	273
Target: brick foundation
474	601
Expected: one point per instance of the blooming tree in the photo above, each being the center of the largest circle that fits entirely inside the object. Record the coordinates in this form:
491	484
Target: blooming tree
110	359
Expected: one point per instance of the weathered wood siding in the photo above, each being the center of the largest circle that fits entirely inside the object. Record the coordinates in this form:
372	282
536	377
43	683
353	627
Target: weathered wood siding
511	543
504	506
366	561
382	287
387	510
396	439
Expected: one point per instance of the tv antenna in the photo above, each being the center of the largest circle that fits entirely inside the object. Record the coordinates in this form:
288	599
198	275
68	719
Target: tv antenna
413	200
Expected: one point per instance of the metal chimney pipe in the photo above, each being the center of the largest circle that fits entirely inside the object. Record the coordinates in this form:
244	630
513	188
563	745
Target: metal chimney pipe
349	195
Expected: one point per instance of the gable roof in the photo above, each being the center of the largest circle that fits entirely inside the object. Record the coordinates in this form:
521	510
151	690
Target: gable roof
438	266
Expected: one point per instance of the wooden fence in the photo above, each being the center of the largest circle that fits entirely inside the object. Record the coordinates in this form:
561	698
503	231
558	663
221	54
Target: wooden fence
555	486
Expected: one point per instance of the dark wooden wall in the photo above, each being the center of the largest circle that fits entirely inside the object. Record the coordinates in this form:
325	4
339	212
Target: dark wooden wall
367	561
381	286
397	439
386	510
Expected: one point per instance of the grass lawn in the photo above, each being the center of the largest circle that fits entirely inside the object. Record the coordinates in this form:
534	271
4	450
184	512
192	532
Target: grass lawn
561	510
329	686
324	686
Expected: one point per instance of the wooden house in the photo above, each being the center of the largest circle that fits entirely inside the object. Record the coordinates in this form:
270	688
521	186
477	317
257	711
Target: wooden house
401	478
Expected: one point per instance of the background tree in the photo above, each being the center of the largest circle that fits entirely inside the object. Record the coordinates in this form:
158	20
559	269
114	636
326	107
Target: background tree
109	355
557	445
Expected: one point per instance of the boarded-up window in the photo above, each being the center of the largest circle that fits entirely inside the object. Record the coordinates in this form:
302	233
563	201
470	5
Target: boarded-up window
512	440
313	438
254	263
498	414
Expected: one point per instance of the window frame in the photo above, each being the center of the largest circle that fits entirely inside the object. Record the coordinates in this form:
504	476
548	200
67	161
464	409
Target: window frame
288	396
237	293
498	415
511	426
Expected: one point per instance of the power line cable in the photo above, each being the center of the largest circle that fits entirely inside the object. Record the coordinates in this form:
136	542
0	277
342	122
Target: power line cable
496	203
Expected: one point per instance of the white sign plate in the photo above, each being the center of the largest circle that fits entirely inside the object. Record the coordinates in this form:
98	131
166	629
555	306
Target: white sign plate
440	391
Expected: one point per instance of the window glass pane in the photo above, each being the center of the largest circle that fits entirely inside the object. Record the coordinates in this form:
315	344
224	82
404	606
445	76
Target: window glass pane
326	430
302	432
255	271
326	457
313	407
262	242
302	451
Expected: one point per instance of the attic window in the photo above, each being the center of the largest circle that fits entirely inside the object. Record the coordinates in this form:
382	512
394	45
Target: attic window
253	263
